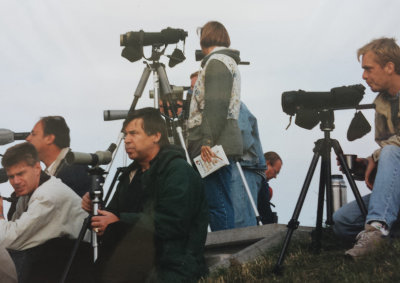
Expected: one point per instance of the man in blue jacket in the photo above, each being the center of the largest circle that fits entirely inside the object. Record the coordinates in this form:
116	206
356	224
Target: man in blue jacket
253	164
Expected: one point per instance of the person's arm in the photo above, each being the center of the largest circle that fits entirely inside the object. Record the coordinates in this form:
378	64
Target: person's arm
114	205
371	166
393	140
179	199
1	209
87	203
35	226
218	88
105	218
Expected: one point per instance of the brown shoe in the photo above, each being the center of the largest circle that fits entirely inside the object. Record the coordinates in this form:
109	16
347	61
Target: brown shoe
368	241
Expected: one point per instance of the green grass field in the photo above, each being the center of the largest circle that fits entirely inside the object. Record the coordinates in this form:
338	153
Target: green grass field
302	264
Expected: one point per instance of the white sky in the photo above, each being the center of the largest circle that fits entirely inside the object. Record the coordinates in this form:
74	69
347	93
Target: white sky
63	58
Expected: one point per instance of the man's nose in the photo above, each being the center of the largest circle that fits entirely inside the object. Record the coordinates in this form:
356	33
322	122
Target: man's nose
17	180
127	140
364	76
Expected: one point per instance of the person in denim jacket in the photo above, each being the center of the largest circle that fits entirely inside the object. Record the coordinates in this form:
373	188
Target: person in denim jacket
253	165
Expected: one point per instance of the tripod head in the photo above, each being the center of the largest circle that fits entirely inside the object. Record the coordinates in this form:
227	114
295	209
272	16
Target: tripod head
133	51
96	190
156	53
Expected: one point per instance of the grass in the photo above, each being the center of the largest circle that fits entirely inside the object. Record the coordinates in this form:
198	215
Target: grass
301	264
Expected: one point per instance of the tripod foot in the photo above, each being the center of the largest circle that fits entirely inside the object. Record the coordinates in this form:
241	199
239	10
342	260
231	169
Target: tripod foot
278	270
315	246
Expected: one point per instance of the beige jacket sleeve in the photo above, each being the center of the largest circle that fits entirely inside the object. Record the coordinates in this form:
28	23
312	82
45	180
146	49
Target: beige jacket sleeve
53	211
393	140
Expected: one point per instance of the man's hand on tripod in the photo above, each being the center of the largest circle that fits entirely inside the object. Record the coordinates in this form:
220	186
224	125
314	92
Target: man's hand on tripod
101	221
87	203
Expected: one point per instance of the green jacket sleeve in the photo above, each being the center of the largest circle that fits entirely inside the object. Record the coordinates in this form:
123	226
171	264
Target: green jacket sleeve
113	206
217	95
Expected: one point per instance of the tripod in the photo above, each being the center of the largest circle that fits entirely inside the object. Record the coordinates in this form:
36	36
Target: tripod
322	149
162	88
96	194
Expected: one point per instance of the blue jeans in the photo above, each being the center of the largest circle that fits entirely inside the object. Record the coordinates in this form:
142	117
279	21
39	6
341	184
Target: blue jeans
383	203
244	212
218	191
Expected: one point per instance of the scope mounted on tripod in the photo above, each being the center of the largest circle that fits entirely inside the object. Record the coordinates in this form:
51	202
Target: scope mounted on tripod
308	106
134	41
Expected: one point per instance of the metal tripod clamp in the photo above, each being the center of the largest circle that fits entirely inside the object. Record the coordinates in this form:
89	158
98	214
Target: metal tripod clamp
96	194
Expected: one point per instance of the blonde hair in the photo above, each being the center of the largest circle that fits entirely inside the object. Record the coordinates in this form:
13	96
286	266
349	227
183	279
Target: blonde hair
385	49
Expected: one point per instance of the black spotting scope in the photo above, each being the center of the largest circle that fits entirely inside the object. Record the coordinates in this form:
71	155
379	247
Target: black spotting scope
344	97
141	38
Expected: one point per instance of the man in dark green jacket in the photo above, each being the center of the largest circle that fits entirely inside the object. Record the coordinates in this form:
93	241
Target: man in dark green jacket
156	222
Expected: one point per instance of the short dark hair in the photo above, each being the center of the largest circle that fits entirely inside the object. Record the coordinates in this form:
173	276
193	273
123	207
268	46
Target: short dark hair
214	34
56	125
272	157
20	152
153	123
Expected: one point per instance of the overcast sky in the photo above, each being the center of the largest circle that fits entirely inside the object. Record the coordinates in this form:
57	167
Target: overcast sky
63	58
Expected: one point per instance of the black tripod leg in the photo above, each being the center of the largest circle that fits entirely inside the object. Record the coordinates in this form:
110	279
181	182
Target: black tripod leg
345	168
85	226
328	187
294	223
114	180
164	82
316	234
140	87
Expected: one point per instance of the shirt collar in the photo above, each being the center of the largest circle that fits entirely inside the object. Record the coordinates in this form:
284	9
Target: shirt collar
51	170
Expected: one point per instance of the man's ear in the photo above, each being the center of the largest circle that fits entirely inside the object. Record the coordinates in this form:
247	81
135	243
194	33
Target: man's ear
389	68
156	137
49	139
37	168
